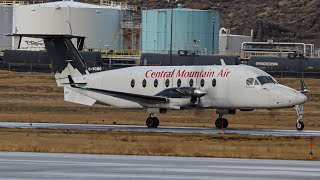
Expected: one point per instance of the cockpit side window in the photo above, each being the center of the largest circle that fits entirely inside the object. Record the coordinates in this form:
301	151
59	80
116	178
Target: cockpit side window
249	81
256	82
266	79
273	80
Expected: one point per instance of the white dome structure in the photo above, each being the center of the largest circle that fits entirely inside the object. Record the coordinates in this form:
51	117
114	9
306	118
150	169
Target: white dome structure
99	24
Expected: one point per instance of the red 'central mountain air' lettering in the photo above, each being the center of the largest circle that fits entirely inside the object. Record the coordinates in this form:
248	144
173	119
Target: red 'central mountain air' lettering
179	73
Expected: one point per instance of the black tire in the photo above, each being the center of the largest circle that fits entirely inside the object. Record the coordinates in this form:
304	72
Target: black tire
156	122
225	123
150	122
218	123
300	125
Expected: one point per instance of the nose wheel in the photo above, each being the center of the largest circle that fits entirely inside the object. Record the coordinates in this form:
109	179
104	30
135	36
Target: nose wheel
300	125
221	123
299	110
152	121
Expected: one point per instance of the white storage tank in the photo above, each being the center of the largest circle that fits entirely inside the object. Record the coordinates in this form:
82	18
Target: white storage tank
100	24
5	25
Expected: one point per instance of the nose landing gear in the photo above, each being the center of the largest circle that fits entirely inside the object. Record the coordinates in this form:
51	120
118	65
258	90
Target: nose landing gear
221	123
299	110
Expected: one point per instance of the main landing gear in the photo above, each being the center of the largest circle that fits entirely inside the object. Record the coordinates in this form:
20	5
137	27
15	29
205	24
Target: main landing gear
299	110
152	121
221	123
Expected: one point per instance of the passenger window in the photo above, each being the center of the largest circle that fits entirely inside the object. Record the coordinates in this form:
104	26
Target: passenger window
179	82
191	82
250	81
214	82
144	83
202	82
132	83
256	82
167	82
155	83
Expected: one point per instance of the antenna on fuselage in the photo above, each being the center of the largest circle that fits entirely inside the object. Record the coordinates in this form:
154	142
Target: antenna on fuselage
222	62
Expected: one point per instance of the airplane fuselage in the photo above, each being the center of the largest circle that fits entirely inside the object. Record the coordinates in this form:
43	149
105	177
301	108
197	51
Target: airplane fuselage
229	87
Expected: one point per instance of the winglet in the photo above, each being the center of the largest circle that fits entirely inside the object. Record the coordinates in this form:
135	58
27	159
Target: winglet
222	62
303	88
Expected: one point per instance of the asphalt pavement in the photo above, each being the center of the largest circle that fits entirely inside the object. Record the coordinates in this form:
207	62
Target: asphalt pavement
170	129
51	166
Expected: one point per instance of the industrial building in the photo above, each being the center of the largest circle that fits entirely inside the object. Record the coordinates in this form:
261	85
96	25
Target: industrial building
230	44
116	29
180	29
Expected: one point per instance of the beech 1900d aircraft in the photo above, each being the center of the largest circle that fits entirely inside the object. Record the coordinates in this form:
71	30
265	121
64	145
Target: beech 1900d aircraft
226	88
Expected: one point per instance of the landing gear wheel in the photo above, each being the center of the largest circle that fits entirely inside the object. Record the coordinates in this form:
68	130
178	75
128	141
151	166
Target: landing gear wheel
156	122
225	123
152	122
300	125
221	123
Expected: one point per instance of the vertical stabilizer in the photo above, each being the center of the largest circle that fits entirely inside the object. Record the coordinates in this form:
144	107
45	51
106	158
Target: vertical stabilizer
66	60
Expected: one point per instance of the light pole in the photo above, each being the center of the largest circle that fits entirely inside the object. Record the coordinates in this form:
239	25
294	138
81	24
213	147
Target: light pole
100	44
171	24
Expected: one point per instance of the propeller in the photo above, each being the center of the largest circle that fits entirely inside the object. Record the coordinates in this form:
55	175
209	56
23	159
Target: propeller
194	93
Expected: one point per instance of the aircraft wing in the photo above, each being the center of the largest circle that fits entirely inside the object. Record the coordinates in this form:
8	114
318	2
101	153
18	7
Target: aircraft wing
138	98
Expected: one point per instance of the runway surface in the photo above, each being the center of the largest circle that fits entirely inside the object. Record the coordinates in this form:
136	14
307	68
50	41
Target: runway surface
82	166
170	129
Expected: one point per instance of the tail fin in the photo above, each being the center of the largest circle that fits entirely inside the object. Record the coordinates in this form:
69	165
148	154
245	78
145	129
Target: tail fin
66	60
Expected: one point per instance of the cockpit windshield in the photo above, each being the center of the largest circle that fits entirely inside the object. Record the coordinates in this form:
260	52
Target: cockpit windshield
266	79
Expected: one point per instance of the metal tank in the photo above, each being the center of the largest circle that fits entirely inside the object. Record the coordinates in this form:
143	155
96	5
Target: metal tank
192	29
39	60
287	67
100	24
154	59
5	25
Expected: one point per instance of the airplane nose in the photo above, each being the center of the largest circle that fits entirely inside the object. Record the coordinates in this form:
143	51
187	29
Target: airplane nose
300	99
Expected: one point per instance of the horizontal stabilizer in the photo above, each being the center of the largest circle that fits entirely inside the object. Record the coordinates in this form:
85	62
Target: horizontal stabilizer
72	96
44	36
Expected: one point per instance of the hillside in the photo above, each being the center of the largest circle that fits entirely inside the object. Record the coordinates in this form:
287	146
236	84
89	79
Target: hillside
281	20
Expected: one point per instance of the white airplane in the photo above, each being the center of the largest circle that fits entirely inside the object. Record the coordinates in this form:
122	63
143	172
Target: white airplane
157	89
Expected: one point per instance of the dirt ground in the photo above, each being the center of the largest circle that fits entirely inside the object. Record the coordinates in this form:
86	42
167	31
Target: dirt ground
37	94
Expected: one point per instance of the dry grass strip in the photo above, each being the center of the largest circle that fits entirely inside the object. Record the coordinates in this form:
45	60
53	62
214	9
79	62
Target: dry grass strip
168	144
